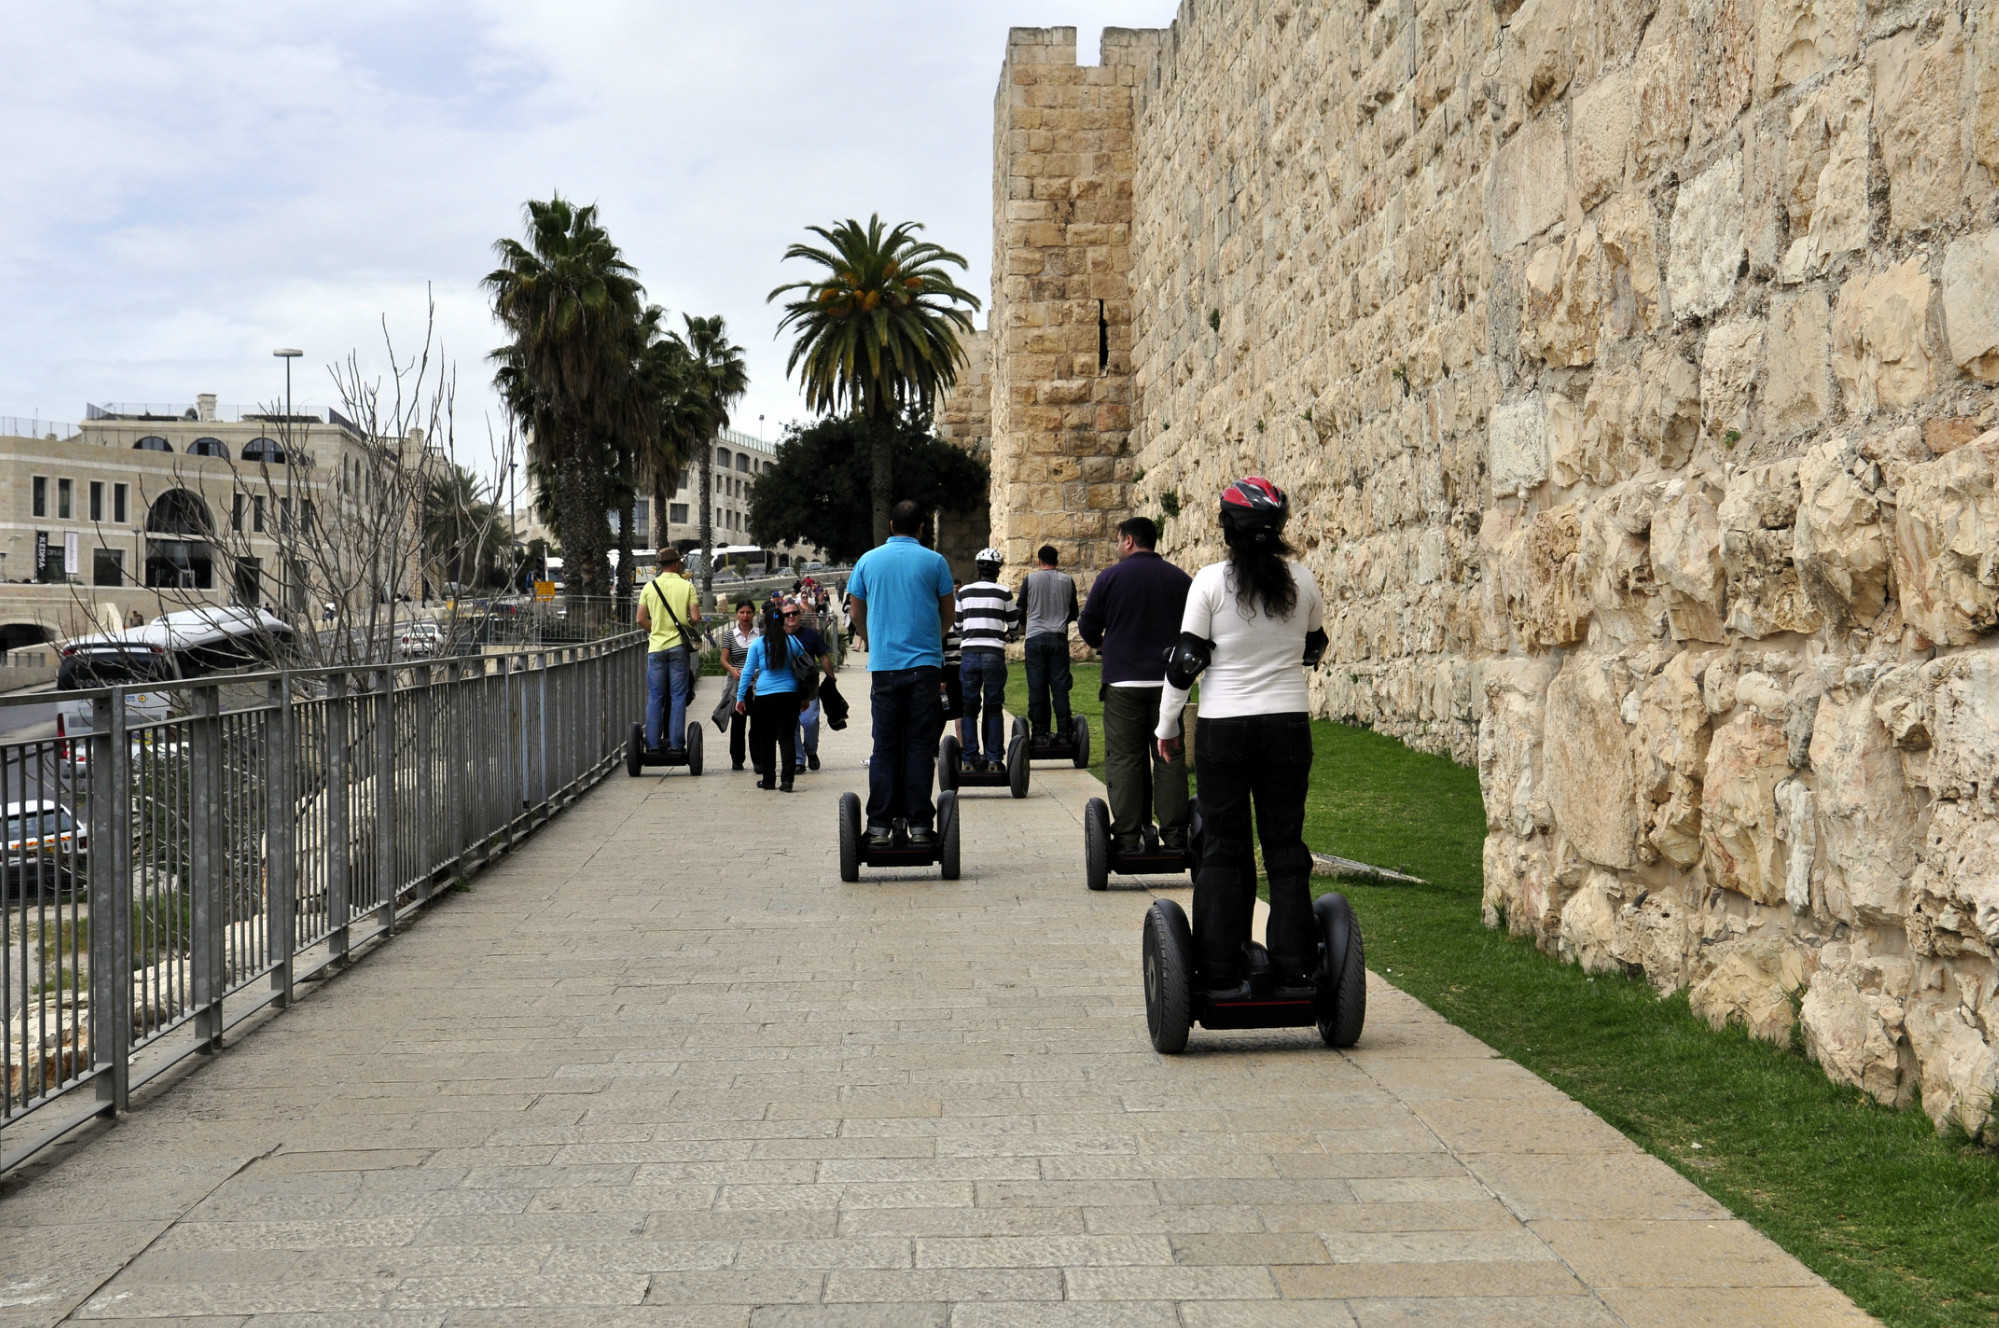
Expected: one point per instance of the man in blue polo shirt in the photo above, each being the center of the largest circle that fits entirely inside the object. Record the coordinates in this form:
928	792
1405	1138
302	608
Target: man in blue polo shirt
903	603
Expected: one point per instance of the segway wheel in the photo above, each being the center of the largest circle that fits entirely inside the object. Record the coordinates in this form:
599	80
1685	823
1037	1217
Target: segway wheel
850	837
1096	844
1079	732
1167	954
947	835
693	747
1019	729
1019	766
948	763
635	746
1343	990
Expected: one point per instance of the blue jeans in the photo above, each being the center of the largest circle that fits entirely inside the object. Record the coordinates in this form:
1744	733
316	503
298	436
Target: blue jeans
808	733
908	716
984	675
668	671
1048	673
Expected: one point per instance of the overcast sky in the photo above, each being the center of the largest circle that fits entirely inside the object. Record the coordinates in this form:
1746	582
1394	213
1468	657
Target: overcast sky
190	186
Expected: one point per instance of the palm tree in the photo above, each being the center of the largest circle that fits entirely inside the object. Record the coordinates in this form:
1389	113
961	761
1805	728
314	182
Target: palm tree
717	380
569	300
464	538
877	332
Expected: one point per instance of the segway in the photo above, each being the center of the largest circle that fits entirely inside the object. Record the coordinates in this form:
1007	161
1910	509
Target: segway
1101	855
855	853
952	774
638	756
1335	1001
1074	746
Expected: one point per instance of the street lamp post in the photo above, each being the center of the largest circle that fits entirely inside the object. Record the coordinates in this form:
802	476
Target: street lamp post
287	354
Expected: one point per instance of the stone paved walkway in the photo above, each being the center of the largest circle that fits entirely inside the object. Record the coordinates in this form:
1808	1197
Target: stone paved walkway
622	1083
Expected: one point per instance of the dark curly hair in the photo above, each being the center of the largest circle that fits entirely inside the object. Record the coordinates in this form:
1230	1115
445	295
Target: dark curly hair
1258	572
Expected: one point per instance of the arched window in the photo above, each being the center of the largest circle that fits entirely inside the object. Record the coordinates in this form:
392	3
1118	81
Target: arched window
264	449
722	457
152	442
179	512
208	447
743	462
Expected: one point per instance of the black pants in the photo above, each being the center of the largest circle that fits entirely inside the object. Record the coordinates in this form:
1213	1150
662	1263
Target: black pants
1265	759
774	722
908	716
738	730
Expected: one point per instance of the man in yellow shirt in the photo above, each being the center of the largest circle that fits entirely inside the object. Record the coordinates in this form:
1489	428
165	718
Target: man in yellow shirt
667	604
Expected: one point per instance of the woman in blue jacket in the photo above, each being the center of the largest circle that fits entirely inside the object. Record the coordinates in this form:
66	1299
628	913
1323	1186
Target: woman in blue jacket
768	693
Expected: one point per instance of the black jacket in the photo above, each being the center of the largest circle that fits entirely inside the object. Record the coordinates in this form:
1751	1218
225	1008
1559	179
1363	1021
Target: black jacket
1133	614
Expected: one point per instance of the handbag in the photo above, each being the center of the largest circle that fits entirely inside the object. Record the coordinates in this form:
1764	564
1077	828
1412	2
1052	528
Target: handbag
806	670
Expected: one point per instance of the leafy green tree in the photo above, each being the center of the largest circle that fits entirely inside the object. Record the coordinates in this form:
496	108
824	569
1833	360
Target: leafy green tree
816	492
570	303
877	335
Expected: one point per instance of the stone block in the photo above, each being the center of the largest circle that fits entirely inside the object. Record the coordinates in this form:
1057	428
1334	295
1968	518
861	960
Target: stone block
1561	300
1960	697
1797	38
1855	1035
1882	352
1985	89
1753	982
1868	820
1959	1068
1730	363
1509	744
1723	34
1797	387
1918	93
1538	567
1540	52
1756	515
1529	183
1517	446
1687	561
1631	266
1843	547
1947	543
1706	240
1741	824
1602	123
1971	304
1662	73
1825	185
1587	756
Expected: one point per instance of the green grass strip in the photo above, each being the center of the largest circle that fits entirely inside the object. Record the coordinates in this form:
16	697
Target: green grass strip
1902	1219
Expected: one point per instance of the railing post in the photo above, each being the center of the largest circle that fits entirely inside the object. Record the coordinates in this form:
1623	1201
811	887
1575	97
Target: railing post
280	829
456	767
111	900
205	815
339	829
425	782
385	795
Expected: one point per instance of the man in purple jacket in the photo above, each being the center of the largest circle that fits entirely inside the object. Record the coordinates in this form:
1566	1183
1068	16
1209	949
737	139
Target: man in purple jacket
1132	617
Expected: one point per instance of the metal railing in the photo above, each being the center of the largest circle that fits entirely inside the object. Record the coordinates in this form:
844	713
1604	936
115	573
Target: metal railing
193	859
24	426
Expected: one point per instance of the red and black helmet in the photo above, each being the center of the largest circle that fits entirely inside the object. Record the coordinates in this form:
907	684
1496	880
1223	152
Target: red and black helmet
1253	508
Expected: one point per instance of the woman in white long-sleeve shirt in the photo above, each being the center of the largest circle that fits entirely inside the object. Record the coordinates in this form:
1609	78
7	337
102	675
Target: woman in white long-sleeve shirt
1252	624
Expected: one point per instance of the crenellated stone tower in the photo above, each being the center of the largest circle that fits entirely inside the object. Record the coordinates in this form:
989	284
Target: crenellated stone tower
1061	310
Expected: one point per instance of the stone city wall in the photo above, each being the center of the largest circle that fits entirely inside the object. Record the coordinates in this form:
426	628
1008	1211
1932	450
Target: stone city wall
1631	365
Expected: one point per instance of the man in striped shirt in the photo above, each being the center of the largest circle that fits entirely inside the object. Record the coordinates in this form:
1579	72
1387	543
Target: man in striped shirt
987	619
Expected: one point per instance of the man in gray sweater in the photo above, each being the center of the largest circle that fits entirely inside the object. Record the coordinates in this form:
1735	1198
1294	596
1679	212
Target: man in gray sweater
1049	598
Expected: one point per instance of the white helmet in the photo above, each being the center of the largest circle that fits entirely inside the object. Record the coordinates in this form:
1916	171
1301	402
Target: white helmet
989	555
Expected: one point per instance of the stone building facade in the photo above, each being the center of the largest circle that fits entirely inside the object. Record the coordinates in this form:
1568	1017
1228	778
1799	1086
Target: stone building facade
1632	367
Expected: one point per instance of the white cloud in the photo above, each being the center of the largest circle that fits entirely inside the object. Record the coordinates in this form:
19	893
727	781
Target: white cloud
191	186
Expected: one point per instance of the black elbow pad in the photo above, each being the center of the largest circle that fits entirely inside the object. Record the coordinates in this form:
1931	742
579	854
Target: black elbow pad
1315	647
1185	659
